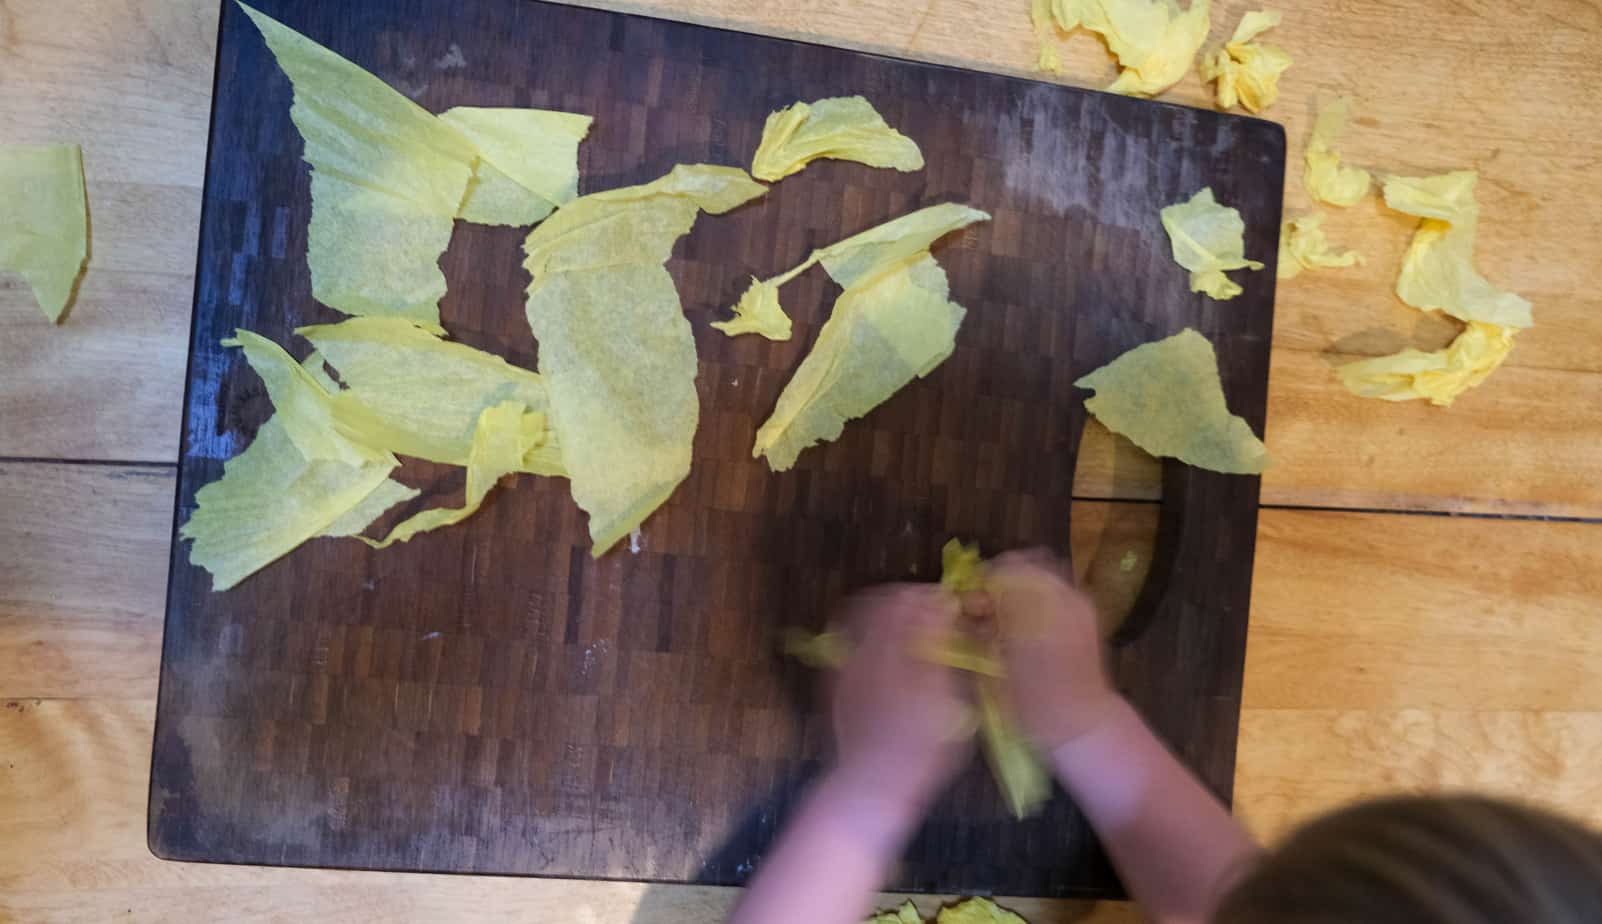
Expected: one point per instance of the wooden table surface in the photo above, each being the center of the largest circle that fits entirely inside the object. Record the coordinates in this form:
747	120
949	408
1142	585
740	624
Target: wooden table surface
1429	582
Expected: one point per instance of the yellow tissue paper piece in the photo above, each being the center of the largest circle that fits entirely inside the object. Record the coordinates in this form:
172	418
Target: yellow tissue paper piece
356	520
323	426
1438	270
1437	377
961	569
1155	41
977	911
906	914
1208	239
426	392
527	166
1247	72
1325	179
1023	781
893	323
388	178
1040	18
758	312
1302	245
270	499
616	354
1167	398
839	128
45	233
500	443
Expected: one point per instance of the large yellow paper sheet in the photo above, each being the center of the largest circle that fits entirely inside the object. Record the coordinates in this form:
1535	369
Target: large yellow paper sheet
270	499
1325	177
893	323
1438	377
527	166
1247	71
616	354
1155	41
839	128
500	443
1167	398
44	234
1438	271
1302	245
428	392
1208	239
387	180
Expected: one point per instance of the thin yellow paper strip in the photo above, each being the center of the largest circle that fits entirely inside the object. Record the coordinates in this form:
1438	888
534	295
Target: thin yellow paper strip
528	162
1302	245
1208	239
355	521
427	393
1167	398
1246	71
1438	270
616	354
500	443
44	235
839	128
270	499
1325	178
1045	33
1438	377
893	323
323	426
1155	41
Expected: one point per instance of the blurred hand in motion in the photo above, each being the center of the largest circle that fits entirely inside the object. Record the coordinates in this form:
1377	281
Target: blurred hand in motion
903	726
1051	647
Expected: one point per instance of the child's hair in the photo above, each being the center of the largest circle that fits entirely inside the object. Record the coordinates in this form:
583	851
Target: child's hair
1426	860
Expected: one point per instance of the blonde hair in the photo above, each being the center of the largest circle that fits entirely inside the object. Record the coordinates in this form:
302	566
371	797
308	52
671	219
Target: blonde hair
1426	860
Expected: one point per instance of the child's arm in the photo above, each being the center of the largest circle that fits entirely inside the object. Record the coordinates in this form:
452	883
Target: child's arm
1174	844
902	731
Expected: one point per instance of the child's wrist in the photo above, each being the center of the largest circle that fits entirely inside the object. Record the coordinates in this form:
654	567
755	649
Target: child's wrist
879	806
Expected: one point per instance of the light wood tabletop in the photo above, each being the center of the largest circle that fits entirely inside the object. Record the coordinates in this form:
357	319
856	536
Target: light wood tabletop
1428	583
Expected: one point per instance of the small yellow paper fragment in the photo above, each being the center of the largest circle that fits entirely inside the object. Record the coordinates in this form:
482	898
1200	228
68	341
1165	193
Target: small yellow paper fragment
839	128
1438	271
527	166
45	233
906	914
1302	245
758	312
893	323
977	910
1155	41
961	569
1247	72
500	444
1208	239
426	394
617	356
1325	178
1167	398
1022	779
1045	29
270	499
1437	377
321	425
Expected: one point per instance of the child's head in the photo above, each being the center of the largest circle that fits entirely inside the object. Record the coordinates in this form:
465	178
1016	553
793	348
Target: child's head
1426	860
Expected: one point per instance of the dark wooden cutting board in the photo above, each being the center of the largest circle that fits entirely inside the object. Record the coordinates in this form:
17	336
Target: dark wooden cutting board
486	698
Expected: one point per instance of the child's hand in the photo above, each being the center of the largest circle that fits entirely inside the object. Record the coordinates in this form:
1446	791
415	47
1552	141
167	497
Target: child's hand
1051	647
902	725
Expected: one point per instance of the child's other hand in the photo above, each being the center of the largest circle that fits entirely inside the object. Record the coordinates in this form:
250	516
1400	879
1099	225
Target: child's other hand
902	724
1051	647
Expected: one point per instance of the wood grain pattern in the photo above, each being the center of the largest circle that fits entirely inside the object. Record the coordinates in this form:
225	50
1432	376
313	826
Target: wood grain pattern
385	708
